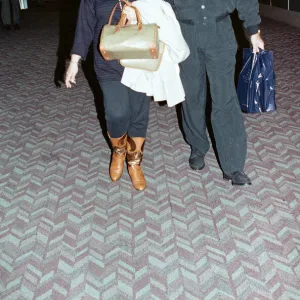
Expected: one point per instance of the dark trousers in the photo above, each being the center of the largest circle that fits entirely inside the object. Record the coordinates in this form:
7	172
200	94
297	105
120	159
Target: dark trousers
125	110
6	11
213	49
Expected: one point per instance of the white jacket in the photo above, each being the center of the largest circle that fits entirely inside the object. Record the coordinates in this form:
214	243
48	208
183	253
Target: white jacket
164	84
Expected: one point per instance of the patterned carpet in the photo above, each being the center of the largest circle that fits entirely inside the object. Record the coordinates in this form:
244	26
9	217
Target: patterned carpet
68	232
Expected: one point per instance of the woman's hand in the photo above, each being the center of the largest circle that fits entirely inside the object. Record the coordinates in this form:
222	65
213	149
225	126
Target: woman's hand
130	14
72	71
257	42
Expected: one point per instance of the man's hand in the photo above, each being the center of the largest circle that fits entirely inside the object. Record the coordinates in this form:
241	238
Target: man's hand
257	42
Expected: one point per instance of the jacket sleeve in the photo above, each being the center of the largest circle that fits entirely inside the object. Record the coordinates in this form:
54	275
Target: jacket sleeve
248	12
86	23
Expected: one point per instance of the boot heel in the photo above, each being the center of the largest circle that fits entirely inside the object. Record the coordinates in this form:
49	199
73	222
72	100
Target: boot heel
118	157
134	158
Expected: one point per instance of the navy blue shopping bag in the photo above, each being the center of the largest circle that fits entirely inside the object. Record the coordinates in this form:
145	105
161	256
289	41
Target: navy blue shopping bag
256	85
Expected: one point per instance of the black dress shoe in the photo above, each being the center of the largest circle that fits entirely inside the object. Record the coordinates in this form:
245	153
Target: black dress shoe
196	160
6	27
17	27
238	178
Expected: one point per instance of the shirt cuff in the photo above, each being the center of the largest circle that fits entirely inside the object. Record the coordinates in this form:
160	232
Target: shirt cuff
252	29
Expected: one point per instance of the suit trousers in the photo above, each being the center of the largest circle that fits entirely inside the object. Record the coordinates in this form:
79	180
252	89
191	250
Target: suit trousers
213	49
5	11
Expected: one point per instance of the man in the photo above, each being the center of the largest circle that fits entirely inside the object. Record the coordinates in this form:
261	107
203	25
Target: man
5	14
207	28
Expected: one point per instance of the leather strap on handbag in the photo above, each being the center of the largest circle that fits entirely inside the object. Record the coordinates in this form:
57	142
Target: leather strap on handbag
123	19
120	3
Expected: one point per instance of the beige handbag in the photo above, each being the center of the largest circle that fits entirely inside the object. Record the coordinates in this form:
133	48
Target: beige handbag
131	41
151	65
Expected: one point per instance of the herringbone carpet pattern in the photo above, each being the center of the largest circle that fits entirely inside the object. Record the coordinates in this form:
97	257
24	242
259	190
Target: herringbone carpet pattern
67	232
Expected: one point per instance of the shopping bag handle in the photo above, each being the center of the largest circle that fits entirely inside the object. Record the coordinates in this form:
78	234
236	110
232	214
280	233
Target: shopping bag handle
260	51
137	13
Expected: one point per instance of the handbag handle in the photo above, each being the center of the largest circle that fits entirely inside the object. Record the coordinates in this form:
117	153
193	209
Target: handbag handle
137	13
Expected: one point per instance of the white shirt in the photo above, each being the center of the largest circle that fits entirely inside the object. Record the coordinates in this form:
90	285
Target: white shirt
164	84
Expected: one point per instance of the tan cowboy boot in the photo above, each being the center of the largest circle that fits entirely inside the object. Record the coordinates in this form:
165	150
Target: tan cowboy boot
134	158
118	156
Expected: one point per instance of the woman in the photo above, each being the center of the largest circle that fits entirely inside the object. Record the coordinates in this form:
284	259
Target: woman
126	111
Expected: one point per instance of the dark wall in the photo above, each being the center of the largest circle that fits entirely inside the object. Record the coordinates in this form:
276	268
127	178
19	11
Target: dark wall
293	5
